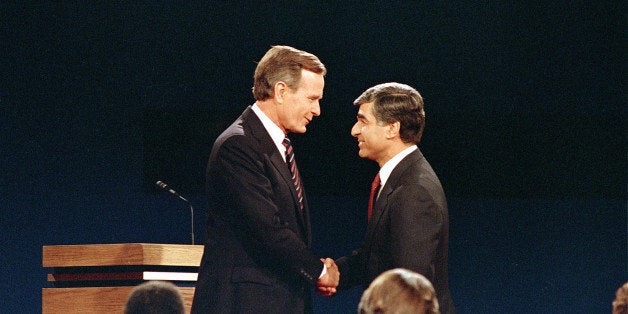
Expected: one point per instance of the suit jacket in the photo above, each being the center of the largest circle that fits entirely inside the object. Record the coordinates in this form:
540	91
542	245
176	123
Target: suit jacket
256	257
409	228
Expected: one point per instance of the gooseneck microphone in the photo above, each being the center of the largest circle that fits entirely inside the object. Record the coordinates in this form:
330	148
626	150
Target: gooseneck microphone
174	193
166	188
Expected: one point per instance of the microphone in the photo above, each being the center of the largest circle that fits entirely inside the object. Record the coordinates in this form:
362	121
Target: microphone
166	188
172	192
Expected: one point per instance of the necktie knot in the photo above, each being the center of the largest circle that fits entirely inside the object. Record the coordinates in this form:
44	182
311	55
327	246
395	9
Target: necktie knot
376	182
286	142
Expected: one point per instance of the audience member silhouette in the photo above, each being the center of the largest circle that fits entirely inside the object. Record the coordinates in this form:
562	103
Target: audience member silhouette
155	297
399	291
620	304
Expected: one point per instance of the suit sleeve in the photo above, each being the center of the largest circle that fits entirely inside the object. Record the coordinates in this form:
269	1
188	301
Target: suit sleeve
352	269
415	223
241	175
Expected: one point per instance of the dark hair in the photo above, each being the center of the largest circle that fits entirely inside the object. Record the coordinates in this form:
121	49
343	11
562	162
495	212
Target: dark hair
397	102
283	63
155	297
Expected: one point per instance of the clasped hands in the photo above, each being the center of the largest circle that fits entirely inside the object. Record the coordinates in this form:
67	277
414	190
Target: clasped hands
326	285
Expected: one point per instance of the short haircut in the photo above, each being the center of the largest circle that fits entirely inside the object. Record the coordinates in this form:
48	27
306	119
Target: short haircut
155	297
397	102
283	63
399	291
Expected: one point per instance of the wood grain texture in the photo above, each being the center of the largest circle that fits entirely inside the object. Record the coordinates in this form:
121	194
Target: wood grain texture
95	300
126	254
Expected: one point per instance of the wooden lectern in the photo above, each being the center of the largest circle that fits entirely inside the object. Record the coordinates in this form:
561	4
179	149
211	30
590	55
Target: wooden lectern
97	278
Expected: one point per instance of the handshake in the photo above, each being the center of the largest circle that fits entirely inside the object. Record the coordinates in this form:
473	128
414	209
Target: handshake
326	285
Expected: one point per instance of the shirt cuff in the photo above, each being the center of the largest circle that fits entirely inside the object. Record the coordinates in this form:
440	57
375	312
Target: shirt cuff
323	272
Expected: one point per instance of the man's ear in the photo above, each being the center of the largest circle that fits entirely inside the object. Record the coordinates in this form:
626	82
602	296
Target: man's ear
280	90
392	129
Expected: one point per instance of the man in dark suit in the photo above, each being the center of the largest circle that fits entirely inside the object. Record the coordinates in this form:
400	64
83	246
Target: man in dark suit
257	256
408	219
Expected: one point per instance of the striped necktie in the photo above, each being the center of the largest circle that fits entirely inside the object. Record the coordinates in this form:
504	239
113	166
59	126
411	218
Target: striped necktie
292	165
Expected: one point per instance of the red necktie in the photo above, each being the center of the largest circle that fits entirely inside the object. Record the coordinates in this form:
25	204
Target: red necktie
292	164
374	187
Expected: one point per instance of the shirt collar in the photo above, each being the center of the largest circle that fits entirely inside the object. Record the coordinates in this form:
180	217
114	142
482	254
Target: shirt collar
389	166
276	134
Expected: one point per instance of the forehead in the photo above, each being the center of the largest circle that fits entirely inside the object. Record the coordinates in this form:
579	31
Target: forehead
366	111
311	82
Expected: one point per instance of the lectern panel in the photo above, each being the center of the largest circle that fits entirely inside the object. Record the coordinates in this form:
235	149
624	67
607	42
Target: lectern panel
97	278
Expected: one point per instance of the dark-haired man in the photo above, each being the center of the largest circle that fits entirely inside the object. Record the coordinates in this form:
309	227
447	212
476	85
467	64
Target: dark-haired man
408	218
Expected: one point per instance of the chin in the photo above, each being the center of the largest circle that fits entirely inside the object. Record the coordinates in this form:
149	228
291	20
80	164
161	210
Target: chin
299	131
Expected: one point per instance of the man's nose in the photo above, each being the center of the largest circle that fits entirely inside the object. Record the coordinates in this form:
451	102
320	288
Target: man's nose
355	130
316	109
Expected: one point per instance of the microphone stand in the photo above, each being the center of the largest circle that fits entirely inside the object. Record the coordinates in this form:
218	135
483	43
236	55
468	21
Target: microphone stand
191	222
191	217
166	188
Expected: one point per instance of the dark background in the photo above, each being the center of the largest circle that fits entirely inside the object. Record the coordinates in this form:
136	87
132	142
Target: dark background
525	128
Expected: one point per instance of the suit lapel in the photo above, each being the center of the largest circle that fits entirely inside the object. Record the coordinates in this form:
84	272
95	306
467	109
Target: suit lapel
270	150
381	205
266	143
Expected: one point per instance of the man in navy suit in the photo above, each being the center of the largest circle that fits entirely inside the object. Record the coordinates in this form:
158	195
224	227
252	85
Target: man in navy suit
408	218
257	256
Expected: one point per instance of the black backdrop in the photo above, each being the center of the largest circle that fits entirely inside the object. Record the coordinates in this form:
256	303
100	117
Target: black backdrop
525	127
